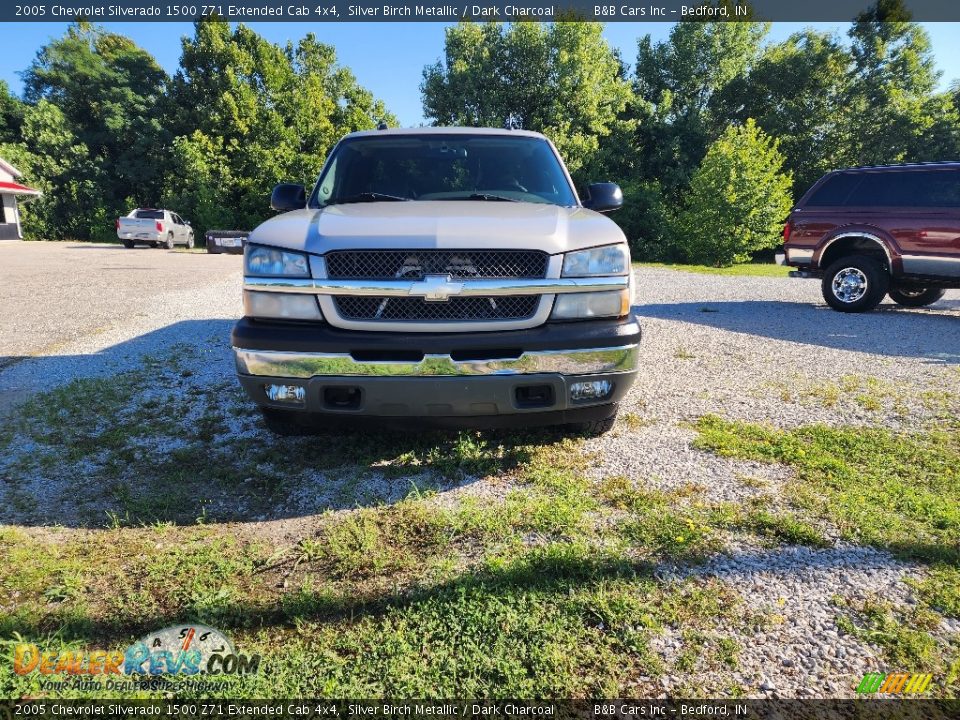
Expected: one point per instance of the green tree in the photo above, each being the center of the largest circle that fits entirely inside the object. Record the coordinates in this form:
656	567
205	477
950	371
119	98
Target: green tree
738	200
894	114
12	109
108	91
561	79
797	92
683	80
247	113
55	161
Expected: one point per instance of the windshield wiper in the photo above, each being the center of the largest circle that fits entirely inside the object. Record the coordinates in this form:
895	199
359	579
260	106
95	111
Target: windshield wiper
367	197
490	197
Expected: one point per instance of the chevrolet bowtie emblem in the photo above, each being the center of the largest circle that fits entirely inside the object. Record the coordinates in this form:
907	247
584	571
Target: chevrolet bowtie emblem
435	288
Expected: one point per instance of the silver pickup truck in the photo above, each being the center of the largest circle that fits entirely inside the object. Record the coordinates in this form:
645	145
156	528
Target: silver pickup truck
441	276
154	227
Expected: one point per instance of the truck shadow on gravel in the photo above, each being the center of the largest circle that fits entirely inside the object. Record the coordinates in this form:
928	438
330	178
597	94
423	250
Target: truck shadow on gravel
157	430
928	335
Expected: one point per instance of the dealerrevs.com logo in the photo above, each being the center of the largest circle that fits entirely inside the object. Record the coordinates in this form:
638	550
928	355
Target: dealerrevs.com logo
178	650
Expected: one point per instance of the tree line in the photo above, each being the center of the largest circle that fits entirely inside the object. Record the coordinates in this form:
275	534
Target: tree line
713	133
102	129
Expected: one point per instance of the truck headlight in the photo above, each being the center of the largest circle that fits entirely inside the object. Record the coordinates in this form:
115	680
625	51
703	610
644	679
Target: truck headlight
581	306
605	260
265	261
281	306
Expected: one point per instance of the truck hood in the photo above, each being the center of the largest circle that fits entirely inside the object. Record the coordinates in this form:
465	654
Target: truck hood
439	224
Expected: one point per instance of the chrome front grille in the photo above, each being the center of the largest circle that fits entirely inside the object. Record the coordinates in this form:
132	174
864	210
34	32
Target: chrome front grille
412	309
415	264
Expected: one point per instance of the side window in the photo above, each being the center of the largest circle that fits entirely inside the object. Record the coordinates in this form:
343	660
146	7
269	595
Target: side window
938	189
916	188
835	191
177	220
883	189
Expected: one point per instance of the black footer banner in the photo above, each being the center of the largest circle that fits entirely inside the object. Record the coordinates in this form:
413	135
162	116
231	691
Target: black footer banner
867	709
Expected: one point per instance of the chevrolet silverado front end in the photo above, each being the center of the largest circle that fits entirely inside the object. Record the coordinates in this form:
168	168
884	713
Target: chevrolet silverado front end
439	276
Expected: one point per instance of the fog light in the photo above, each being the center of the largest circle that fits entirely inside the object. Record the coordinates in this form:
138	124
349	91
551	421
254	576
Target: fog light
592	390
292	394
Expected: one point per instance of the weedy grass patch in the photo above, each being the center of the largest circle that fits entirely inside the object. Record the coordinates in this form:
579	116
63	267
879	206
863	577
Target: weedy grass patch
894	490
741	270
898	491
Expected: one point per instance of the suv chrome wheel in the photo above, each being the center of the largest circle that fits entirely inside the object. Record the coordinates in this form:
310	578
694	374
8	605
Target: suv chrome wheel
849	285
855	284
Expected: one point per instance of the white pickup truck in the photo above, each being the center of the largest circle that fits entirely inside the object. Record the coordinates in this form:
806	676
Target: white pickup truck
154	227
443	276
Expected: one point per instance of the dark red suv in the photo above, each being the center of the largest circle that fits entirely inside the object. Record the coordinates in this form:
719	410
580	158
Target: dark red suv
874	231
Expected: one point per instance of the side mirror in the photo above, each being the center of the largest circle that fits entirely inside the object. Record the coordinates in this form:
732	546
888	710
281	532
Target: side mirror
603	197
288	196
186	222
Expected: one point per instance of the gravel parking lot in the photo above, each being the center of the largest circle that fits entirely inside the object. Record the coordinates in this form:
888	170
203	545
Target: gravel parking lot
755	349
72	300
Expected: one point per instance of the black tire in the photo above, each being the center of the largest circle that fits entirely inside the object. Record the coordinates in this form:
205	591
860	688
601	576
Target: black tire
286	423
128	244
169	243
915	295
596	428
854	284
190	241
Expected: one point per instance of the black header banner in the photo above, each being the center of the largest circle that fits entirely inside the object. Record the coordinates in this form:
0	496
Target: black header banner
105	11
622	709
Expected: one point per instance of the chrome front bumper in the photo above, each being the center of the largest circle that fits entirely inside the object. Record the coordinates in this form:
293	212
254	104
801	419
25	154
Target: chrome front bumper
592	361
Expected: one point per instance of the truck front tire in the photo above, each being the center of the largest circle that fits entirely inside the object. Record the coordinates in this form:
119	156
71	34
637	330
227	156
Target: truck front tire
855	284
915	296
286	423
596	428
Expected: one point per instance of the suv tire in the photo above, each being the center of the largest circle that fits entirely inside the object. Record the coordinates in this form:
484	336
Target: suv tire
128	244
915	295
854	284
169	244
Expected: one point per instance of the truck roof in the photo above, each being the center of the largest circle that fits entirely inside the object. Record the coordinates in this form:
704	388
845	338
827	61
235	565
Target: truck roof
445	131
937	165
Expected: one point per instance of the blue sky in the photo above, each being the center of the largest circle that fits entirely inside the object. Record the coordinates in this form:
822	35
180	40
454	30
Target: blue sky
388	58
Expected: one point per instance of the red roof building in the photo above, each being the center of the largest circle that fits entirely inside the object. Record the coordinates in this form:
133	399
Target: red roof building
9	190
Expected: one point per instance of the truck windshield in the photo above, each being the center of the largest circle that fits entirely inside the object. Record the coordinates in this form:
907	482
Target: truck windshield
444	167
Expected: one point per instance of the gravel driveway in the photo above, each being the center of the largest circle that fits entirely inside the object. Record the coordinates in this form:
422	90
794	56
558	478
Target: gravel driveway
750	348
69	301
764	350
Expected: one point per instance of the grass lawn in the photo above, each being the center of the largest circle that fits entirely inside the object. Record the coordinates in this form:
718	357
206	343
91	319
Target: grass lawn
505	569
543	585
895	491
753	269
